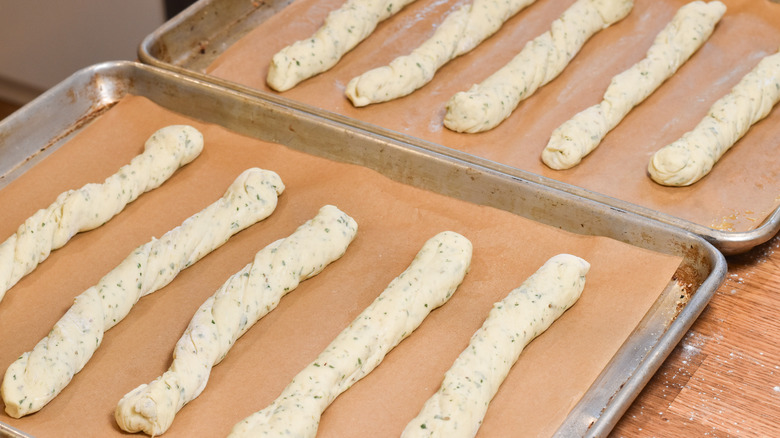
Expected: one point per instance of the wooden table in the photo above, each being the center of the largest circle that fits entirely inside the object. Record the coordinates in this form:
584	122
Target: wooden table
723	379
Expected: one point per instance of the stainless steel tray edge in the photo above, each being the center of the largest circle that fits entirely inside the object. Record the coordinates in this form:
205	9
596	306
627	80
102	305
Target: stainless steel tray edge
202	25
603	405
21	150
647	362
154	51
7	431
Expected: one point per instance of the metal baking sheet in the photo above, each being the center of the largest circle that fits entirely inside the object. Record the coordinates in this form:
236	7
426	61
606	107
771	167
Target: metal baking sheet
36	131
191	41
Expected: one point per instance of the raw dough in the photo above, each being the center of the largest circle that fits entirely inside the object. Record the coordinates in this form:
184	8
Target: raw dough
93	205
237	305
426	284
690	158
690	27
458	407
344	28
487	104
459	33
37	376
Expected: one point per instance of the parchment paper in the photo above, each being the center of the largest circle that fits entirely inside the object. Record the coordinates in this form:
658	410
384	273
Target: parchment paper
394	221
742	190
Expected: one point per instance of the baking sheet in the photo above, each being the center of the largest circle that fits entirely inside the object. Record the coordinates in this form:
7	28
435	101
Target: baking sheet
394	219
736	206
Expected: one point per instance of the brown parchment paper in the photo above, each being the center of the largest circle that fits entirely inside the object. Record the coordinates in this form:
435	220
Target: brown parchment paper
742	190
394	222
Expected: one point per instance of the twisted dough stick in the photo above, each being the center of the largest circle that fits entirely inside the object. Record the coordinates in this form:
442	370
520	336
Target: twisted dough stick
93	205
237	305
690	27
458	407
37	376
690	158
344	28
427	283
459	33
487	104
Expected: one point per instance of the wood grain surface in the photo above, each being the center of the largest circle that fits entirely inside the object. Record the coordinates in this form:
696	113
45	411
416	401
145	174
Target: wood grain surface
723	380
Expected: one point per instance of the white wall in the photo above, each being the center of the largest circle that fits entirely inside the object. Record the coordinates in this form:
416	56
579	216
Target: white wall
43	42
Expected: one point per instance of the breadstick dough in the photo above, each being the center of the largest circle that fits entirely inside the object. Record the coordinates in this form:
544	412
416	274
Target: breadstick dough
690	27
484	106
458	34
426	284
237	305
690	158
344	28
460	404
37	376
93	205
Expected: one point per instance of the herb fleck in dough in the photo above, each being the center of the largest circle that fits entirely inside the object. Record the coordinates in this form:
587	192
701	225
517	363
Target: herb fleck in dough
37	376
690	27
237	305
426	284
344	28
460	404
459	33
690	158
93	205
485	105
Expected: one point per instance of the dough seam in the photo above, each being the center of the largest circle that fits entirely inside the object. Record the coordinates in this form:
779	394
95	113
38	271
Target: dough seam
236	306
93	205
460	32
485	105
690	158
426	284
38	376
343	29
688	30
460	404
